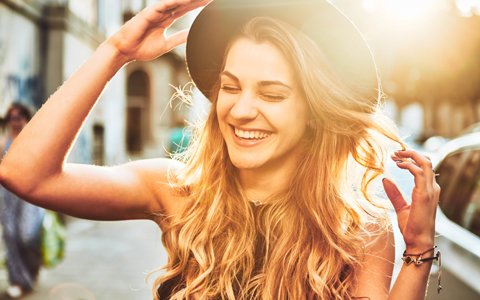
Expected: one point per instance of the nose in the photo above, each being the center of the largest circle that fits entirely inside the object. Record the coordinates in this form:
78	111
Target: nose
245	107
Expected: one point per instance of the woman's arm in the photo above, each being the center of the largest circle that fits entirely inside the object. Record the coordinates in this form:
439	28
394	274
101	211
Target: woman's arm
35	166
375	272
417	225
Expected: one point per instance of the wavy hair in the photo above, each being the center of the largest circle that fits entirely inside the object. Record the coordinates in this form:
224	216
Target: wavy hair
223	247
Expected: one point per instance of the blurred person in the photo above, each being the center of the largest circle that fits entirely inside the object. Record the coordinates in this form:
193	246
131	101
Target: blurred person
273	197
21	221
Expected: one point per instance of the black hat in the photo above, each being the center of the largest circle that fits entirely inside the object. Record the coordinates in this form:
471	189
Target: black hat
335	34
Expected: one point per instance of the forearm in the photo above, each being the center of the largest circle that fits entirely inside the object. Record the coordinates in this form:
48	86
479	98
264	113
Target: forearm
42	146
411	283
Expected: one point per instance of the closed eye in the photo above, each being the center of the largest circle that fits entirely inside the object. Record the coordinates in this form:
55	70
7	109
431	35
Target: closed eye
272	97
230	88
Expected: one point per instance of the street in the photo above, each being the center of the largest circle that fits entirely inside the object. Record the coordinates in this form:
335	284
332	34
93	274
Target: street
103	260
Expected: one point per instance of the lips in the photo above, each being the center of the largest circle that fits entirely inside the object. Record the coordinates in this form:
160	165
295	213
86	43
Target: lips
251	134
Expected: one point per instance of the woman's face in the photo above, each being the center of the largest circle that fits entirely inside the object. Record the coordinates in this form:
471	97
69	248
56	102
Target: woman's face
261	113
17	120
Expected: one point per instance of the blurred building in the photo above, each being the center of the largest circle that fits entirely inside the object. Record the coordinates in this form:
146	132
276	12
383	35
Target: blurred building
428	54
42	42
427	51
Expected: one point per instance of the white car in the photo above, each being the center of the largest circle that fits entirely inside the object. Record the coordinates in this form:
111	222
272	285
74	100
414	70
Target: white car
458	218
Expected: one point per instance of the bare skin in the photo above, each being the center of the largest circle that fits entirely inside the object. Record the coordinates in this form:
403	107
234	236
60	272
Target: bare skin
139	189
417	225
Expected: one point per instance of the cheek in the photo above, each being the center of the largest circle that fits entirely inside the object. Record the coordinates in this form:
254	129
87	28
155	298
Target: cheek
292	117
297	123
221	107
298	130
220	111
222	114
224	106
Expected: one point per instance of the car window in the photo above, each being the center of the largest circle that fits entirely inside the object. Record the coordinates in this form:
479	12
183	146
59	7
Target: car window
460	182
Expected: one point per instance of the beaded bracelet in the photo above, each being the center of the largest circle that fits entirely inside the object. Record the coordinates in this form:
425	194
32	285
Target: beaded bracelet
417	259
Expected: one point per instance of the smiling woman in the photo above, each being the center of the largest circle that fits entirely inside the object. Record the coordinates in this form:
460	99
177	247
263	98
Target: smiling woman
259	97
272	199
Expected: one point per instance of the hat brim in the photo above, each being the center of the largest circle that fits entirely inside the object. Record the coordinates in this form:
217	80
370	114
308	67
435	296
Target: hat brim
336	35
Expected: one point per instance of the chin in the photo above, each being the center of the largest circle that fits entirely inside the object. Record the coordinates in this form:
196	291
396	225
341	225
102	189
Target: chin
246	163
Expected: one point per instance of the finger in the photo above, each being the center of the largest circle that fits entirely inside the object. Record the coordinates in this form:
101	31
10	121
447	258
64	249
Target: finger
400	159
170	11
436	191
176	39
427	173
182	10
417	172
408	153
394	194
171	6
168	5
420	160
162	11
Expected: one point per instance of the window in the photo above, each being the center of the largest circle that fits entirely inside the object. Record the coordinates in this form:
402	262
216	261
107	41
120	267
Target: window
138	111
460	182
98	144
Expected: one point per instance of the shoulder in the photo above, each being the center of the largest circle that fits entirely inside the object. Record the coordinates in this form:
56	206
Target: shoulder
376	266
379	238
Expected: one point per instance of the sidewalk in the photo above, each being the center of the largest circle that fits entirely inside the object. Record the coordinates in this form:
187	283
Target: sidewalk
104	260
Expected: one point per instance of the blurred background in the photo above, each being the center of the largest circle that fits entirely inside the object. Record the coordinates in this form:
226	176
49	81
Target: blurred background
427	51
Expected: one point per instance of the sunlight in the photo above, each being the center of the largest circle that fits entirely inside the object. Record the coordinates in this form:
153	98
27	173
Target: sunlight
468	7
409	9
370	6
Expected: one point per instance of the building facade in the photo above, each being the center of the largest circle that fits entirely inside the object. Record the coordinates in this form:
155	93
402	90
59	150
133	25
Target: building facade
43	42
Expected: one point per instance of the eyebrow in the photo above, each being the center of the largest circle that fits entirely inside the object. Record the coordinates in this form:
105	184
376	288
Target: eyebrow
261	83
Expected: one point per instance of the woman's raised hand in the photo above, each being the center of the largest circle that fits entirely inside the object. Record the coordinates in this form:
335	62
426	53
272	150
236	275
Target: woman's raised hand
143	37
417	220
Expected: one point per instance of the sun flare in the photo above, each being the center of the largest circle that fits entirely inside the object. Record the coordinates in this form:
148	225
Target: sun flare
409	8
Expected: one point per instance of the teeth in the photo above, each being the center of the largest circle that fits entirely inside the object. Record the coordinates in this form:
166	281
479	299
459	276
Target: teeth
254	134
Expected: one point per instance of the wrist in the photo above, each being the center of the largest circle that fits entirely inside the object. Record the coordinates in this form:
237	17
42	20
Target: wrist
421	257
419	249
427	256
108	49
420	245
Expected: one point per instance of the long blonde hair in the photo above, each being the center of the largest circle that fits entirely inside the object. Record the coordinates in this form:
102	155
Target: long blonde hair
309	242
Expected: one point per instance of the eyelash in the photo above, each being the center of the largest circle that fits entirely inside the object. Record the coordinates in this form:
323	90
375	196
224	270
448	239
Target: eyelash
228	88
274	98
232	89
